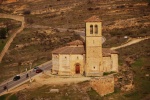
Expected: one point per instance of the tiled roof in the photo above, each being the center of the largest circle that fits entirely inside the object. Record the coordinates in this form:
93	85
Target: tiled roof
108	52
69	50
93	19
81	50
76	42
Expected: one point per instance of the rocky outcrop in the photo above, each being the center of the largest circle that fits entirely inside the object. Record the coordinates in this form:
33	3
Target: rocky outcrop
104	85
124	79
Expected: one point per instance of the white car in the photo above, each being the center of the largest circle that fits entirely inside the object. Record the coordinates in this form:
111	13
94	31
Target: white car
35	68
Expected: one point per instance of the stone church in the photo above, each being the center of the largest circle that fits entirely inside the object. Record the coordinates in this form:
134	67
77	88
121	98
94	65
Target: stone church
85	57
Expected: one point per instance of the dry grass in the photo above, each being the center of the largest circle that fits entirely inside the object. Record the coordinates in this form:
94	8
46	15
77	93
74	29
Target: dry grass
37	47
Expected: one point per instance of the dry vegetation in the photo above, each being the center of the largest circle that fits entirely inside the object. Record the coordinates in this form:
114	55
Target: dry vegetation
33	46
120	18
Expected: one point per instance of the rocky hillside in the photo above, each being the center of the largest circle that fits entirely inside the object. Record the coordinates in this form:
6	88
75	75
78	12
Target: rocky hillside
120	18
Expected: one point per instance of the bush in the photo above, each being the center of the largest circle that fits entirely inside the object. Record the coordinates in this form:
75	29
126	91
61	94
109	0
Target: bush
30	20
90	9
122	6
3	33
120	32
26	12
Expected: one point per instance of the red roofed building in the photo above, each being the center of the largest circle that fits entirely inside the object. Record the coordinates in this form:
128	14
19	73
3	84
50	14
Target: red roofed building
85	57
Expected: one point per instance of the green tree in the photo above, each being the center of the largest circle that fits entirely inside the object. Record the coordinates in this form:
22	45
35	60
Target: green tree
3	33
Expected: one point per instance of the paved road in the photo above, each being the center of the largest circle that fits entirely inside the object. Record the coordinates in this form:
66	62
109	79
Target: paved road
46	66
12	84
81	33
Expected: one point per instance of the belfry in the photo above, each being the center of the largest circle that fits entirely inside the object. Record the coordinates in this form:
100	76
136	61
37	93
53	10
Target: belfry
85	57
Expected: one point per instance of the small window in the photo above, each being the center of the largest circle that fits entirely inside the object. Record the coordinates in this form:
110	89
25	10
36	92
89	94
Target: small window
65	57
96	29
77	57
94	68
91	29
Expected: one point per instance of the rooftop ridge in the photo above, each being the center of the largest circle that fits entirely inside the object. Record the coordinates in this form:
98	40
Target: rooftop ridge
93	19
76	42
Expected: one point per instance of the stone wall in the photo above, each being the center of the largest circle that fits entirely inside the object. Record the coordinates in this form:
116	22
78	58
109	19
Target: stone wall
99	24
55	61
114	58
65	64
107	64
94	49
110	63
77	59
103	85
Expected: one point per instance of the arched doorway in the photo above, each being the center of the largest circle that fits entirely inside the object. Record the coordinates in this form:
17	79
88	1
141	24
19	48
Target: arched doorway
77	68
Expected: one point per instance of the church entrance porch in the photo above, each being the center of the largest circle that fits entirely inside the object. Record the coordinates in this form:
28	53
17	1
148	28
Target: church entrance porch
77	68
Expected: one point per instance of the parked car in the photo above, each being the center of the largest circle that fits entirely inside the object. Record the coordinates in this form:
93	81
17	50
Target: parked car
35	68
17	77
39	70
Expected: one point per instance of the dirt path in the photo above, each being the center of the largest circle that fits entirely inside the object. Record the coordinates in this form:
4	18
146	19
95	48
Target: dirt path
46	79
133	41
14	17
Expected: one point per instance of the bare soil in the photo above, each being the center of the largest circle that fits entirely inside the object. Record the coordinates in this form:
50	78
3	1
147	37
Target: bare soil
45	79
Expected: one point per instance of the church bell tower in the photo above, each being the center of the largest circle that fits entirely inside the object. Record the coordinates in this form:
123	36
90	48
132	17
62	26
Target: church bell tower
93	39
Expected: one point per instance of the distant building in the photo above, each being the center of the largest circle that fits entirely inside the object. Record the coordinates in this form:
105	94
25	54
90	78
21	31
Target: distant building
85	57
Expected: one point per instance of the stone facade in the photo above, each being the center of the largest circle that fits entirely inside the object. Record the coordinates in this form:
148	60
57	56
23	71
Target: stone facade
103	85
107	64
114	58
93	47
64	64
85	58
110	63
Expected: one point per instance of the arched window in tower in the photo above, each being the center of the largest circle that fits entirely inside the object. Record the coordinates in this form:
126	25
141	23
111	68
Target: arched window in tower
91	29
96	29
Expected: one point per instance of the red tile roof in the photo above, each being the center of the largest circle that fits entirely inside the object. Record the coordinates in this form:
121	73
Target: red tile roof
93	19
69	50
108	52
81	50
76	42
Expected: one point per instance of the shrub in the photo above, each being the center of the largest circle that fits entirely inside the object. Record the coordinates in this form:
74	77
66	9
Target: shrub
26	12
30	20
90	9
122	6
3	33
